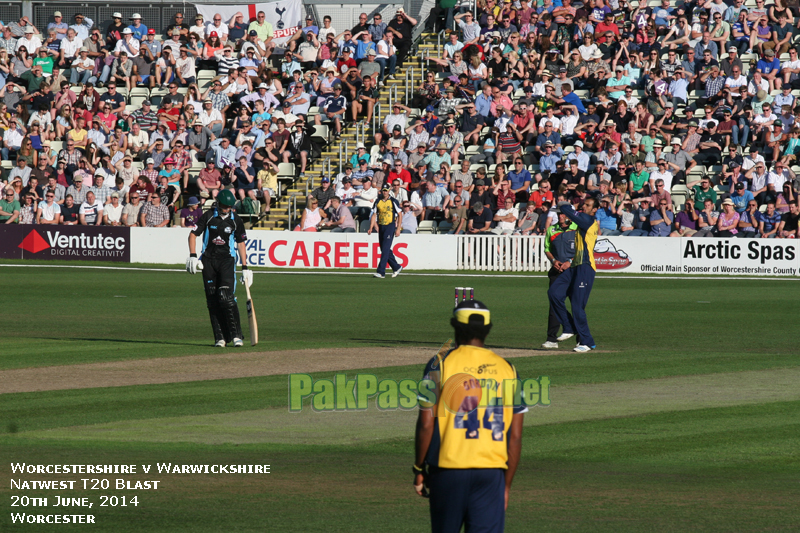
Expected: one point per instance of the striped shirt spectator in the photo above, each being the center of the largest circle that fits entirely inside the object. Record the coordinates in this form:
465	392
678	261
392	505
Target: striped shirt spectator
714	85
154	214
147	120
72	158
101	193
152	175
78	195
692	140
219	100
226	63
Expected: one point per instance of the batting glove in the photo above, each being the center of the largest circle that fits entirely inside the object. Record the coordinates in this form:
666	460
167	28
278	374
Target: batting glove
247	277
192	264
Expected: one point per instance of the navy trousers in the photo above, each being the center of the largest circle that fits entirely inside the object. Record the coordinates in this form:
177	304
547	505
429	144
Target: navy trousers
577	283
474	498
557	294
553	321
579	291
385	238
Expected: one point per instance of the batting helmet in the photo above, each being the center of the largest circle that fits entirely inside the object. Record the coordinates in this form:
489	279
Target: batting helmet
226	198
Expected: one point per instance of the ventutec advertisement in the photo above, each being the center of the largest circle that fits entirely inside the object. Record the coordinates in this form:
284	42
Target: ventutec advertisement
65	243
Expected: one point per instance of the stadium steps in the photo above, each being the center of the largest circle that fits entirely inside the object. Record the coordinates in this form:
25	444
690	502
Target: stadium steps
278	217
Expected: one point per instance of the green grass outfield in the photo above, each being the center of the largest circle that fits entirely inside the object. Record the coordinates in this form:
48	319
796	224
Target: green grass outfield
689	421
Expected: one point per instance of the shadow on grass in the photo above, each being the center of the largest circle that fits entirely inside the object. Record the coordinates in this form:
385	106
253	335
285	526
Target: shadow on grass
390	342
122	341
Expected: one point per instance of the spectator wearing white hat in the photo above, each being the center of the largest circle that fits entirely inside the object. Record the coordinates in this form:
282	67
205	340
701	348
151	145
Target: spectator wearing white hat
29	40
114	30
139	30
200	27
127	44
82	26
58	25
261	94
81	67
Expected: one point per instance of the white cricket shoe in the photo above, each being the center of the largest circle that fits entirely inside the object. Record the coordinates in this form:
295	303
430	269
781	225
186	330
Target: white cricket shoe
565	336
397	272
220	343
237	342
549	345
583	348
381	276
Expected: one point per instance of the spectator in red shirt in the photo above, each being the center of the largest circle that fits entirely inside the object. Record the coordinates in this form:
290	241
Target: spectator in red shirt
541	194
143	188
210	180
503	190
610	136
523	117
169	114
399	173
603	27
345	60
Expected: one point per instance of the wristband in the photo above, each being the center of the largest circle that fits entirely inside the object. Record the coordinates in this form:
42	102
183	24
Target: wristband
192	255
244	267
417	470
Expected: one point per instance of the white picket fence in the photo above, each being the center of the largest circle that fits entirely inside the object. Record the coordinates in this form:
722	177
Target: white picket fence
510	253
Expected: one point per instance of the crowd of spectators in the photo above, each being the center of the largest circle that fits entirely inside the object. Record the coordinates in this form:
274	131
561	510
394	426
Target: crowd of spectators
85	150
531	103
526	104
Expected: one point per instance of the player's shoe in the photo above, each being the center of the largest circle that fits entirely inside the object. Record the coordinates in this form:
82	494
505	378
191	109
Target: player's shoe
381	276
397	272
549	345
583	348
565	336
237	342
220	343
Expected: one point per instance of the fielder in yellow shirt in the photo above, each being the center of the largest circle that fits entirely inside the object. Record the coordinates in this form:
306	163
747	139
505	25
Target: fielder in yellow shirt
467	451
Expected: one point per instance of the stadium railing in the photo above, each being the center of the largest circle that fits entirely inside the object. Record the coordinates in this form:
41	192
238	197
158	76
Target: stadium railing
508	253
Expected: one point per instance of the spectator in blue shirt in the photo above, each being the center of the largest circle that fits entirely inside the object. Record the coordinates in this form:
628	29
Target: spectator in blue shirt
661	220
549	136
483	102
140	30
58	25
607	218
520	180
549	160
768	221
741	197
570	98
769	66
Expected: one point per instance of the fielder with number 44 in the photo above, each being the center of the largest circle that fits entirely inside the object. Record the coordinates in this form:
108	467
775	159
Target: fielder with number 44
467	454
223	236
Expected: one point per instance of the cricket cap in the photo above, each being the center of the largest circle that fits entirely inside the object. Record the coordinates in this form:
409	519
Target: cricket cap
472	312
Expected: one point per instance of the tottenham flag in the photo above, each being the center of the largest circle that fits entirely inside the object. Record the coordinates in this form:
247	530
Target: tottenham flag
285	15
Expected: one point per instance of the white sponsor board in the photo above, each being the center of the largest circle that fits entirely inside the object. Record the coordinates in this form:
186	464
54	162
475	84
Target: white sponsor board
285	15
348	250
633	255
304	250
732	256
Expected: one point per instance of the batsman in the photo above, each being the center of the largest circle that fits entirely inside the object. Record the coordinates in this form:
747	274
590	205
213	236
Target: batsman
223	236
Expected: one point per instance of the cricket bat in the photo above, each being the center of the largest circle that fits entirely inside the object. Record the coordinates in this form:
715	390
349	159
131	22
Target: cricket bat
251	318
